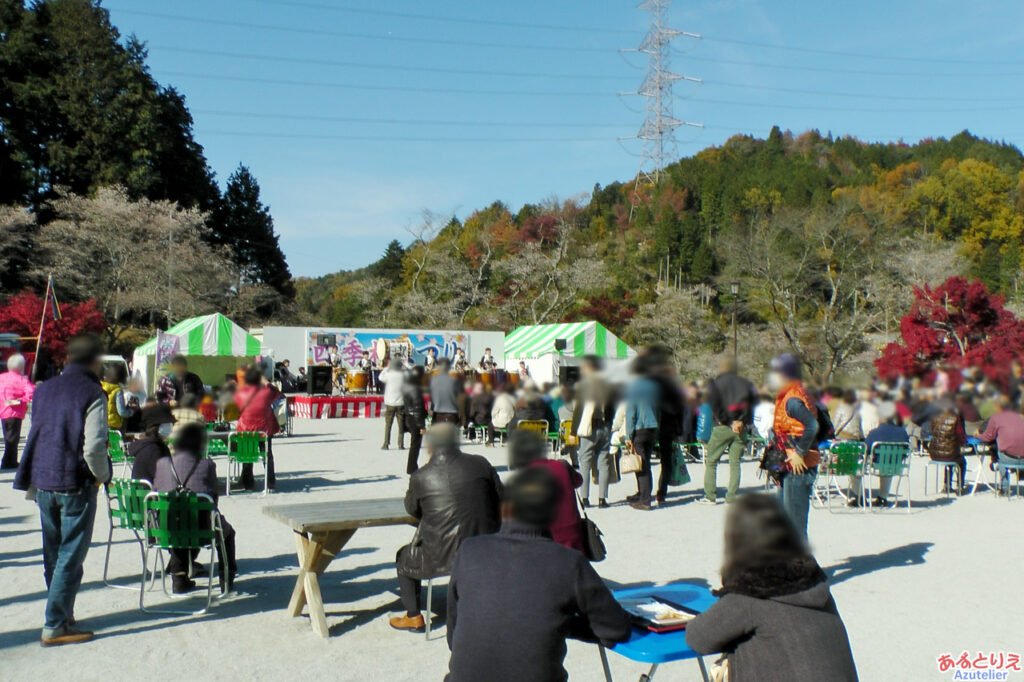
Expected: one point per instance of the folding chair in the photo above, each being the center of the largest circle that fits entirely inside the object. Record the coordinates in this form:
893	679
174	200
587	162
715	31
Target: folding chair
565	435
182	521
247	447
845	458
430	604
116	450
1006	465
124	510
889	459
539	426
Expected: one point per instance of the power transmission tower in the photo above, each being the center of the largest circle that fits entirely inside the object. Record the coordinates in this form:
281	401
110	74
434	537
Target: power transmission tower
657	134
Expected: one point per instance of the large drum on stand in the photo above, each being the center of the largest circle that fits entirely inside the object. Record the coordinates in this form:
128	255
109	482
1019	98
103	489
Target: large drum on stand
356	382
389	349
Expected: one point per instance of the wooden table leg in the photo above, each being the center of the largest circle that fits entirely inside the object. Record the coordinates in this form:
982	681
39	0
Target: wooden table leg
315	553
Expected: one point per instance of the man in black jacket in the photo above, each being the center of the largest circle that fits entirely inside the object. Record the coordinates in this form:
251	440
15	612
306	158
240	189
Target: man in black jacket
455	496
732	401
517	595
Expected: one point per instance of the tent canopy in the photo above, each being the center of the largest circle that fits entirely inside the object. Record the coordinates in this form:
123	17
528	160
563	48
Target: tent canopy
209	335
582	338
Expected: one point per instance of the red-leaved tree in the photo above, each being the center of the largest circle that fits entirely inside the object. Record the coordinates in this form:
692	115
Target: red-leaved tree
21	313
958	324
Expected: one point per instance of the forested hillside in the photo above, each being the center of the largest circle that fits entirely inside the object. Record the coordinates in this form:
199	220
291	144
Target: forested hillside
825	237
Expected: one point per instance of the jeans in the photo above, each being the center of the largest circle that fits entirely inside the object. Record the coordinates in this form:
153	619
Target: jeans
666	454
643	443
723	439
796	499
67	520
12	435
593	453
391	414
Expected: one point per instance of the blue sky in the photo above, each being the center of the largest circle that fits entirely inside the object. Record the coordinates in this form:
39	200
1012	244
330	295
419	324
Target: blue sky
355	122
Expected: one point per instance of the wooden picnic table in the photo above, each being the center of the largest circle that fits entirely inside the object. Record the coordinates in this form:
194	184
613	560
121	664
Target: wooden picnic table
321	530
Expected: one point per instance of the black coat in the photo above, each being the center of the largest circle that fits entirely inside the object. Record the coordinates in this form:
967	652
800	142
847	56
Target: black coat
455	496
480	408
145	452
513	600
414	407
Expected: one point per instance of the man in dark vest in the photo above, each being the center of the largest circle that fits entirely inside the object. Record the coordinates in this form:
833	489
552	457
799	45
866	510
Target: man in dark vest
64	463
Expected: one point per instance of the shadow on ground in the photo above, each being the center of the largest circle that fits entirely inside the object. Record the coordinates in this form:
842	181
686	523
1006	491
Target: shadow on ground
854	566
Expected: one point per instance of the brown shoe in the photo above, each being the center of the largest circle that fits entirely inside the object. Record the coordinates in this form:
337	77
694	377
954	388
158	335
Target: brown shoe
65	634
406	623
640	505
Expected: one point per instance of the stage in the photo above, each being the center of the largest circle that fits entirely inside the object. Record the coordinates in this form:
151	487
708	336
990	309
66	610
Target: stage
335	407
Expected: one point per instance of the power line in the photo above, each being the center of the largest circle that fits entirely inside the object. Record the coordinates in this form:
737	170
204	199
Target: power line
438	18
389	138
387	88
383	67
360	36
887	110
857	72
859	55
860	95
396	121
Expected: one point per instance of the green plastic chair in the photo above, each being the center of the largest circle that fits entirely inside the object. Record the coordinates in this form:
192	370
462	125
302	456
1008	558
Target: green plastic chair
116	450
890	459
247	447
182	520
125	510
845	458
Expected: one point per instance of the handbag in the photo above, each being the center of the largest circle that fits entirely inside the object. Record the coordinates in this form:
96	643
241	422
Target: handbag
593	545
630	462
680	474
586	427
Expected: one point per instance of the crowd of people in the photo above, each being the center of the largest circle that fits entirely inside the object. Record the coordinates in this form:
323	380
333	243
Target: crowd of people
531	527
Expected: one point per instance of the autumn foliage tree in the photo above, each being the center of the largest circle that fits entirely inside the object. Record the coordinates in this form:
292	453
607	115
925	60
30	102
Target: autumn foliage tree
958	324
21	315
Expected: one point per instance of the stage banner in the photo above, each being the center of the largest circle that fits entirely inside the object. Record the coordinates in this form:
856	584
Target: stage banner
348	347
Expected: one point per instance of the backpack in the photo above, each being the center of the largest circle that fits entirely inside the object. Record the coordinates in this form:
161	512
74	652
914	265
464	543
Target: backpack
826	430
181	487
704	423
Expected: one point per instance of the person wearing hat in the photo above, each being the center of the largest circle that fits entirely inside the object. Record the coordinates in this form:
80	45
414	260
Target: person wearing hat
796	430
888	431
157	423
516	596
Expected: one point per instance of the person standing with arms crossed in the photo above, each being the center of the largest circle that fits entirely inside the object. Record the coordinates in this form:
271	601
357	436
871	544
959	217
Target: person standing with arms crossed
64	464
796	430
731	398
15	394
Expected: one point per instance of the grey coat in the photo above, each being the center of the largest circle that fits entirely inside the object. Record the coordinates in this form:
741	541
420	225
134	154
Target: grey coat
794	638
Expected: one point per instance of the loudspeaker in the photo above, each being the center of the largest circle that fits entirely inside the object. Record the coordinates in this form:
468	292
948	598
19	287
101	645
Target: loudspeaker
561	344
568	376
325	339
318	381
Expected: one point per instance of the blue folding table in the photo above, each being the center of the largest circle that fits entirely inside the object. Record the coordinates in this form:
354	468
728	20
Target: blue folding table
657	648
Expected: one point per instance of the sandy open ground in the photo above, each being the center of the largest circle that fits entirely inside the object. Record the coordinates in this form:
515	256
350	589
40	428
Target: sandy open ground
945	578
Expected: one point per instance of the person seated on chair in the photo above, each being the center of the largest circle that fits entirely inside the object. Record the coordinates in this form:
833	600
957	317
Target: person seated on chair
480	404
455	496
529	449
888	431
1006	430
516	596
503	411
187	469
157	422
774	598
532	407
187	412
947	444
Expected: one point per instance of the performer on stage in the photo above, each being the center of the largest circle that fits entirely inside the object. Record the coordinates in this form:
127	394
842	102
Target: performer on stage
430	361
487	362
524	372
460	364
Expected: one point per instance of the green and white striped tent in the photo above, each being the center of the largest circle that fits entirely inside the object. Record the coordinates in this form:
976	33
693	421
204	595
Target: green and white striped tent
214	345
535	345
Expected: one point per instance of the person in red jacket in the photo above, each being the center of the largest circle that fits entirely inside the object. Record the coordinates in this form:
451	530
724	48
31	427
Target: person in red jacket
255	400
527	449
